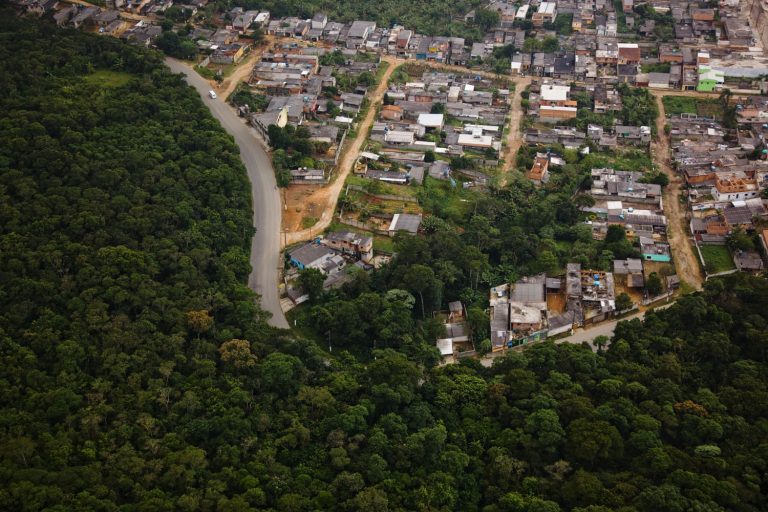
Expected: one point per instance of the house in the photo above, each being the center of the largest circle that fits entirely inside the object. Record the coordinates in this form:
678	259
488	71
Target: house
243	21
546	13
748	261
555	102
63	16
633	269
348	242
358	33
523	319
228	54
731	188
658	80
562	323
655	251
456	311
475	140
105	18
432	121
404	222
456	335
709	78
319	21
391	112
305	176
399	137
84	16
629	53
320	257
262	121
539	171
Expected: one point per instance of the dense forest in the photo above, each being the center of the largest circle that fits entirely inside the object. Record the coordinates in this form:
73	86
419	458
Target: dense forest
136	373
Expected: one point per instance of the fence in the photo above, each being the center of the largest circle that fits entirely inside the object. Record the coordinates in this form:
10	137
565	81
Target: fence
383	197
657	298
362	225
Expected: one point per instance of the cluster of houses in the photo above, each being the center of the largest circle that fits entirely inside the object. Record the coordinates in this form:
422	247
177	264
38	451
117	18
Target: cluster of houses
333	255
704	46
303	92
457	342
537	307
436	116
552	105
726	174
623	199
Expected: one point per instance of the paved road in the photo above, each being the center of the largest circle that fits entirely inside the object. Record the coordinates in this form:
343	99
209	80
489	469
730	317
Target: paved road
265	246
581	335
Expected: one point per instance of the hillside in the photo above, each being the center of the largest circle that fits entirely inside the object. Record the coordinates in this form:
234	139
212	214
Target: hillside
136	373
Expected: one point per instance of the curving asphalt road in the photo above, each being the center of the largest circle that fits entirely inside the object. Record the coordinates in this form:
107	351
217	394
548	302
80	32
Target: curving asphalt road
265	245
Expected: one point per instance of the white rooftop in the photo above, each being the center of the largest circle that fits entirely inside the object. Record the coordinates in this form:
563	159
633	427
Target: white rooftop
547	7
550	92
431	120
445	346
472	140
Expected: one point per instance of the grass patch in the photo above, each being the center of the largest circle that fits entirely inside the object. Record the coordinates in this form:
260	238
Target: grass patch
308	222
107	79
661	67
205	72
383	66
675	105
717	258
384	243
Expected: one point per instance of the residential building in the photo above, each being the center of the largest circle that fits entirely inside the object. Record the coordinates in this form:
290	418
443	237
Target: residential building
320	257
539	171
348	242
546	13
406	222
731	188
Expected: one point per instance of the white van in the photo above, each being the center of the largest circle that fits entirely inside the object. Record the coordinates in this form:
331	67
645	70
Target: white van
212	94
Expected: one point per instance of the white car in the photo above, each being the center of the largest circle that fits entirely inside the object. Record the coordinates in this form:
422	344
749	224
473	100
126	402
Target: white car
212	94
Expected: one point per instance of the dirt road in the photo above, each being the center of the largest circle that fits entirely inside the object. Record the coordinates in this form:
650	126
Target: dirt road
347	160
686	262
242	72
514	137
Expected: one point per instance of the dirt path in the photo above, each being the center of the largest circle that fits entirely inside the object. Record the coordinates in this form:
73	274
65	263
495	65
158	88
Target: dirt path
241	72
514	137
686	263
347	160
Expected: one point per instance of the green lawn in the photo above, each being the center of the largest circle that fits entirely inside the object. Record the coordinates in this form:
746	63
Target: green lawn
384	243
107	79
717	258
674	105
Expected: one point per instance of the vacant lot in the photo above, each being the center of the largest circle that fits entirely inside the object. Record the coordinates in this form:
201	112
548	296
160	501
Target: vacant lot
674	105
717	258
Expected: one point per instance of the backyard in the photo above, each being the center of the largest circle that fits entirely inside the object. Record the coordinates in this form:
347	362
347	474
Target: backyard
717	258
